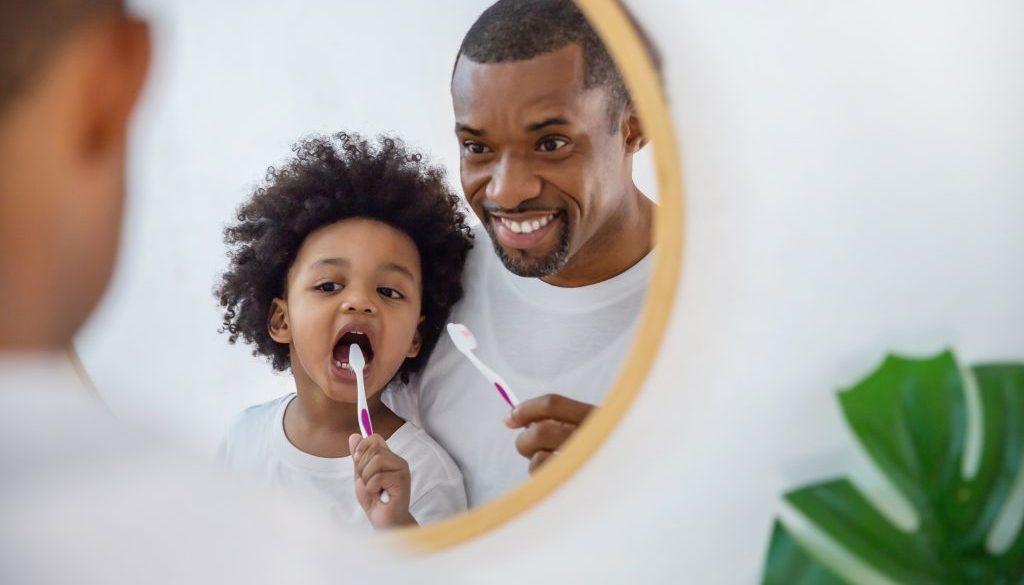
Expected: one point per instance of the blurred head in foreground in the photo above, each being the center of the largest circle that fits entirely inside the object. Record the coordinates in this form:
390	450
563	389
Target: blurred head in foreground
70	74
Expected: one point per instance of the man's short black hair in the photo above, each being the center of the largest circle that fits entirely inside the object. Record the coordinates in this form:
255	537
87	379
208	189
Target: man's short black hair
329	180
517	30
31	29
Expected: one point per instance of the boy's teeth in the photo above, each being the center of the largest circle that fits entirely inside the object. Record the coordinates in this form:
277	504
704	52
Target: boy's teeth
342	365
528	226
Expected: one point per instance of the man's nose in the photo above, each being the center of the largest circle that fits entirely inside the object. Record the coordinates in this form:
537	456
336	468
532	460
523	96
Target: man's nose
512	182
357	301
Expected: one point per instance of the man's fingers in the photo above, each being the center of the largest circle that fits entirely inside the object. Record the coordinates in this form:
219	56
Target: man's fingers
538	459
547	435
549	406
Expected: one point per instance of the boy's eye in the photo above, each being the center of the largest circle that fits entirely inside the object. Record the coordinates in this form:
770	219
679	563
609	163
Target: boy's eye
390	293
328	287
551	144
474	147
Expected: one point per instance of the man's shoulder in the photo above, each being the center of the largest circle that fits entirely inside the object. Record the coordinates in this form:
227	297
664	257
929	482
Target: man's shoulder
425	454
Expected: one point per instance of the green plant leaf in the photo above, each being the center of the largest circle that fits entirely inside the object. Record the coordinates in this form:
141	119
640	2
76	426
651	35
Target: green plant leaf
789	564
911	417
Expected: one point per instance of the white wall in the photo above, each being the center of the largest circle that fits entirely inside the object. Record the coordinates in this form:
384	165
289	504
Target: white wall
855	186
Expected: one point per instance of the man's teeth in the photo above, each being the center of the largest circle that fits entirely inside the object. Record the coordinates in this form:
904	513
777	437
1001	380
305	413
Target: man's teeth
528	226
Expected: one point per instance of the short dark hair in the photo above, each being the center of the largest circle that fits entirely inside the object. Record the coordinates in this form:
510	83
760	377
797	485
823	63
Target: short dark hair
329	180
517	30
31	29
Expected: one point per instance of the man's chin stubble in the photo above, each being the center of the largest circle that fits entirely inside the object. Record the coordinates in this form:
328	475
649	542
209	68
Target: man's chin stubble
547	266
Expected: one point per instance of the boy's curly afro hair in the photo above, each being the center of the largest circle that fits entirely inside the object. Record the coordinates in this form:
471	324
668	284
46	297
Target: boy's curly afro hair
329	180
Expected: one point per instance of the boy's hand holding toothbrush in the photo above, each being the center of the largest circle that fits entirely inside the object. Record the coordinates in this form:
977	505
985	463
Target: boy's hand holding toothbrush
547	422
382	477
378	470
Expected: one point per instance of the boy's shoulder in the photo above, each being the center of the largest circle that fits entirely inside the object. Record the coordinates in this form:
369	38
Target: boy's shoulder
250	427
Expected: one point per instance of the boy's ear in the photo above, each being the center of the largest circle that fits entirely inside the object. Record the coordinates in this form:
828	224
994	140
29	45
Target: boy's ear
633	135
277	323
417	341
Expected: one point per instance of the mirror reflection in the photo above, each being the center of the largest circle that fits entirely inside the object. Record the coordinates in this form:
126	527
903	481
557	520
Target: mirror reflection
423	299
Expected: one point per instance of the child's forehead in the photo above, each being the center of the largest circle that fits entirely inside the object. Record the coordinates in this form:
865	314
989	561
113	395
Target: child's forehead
358	241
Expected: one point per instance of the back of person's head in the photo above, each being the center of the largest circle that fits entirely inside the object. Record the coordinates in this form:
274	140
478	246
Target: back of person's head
518	30
70	74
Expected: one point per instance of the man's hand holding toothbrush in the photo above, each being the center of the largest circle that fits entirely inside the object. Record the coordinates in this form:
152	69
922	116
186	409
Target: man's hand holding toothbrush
547	421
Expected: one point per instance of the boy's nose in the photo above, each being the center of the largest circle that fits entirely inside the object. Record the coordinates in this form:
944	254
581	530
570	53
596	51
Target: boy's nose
358	305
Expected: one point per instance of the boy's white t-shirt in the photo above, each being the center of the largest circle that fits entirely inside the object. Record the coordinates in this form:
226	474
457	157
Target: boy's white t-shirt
256	447
540	338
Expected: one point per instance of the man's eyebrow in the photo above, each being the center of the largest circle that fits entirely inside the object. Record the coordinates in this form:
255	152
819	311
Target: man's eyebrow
460	127
396	267
556	121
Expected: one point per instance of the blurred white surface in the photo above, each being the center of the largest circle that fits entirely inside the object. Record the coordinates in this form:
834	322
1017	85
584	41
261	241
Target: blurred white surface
854	185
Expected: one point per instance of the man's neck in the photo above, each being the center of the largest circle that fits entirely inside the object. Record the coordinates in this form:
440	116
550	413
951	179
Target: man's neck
614	249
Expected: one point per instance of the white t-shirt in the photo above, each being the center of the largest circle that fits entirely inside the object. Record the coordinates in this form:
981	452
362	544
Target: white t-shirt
540	338
86	499
256	447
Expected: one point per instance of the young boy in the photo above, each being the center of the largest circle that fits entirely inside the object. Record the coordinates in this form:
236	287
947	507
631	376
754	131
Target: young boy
350	243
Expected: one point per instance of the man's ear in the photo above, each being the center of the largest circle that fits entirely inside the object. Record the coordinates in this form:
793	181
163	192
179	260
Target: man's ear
417	340
633	135
277	323
120	60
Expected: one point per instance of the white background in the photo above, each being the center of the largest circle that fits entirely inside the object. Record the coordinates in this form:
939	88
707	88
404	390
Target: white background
855	177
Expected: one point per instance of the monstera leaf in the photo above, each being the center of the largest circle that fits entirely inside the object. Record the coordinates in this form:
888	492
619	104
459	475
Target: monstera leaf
911	417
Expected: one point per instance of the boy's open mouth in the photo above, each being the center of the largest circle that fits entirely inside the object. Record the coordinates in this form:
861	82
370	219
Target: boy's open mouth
341	348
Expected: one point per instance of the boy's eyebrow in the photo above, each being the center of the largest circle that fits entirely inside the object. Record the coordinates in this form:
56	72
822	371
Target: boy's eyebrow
332	261
396	267
388	266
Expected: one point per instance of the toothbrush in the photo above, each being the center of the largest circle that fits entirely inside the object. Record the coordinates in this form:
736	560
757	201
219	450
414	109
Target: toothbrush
465	342
357	363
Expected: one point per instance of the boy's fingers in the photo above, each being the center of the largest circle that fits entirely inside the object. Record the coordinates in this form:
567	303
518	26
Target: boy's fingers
387	480
353	442
384	462
548	407
362	495
546	435
366	459
367	443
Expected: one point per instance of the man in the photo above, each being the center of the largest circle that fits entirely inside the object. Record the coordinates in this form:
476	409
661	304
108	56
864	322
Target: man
84	500
547	135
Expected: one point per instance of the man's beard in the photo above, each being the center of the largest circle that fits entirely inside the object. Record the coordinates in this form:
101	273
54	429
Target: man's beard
531	268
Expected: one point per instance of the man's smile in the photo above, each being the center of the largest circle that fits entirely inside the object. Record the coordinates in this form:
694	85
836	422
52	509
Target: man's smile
527	231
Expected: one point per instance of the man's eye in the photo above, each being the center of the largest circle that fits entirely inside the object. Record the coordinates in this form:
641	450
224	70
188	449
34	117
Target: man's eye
475	147
328	287
390	293
551	144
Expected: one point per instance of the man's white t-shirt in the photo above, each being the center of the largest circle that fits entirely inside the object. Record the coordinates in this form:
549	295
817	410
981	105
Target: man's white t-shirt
85	499
540	338
257	448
